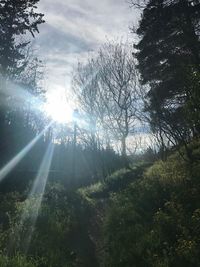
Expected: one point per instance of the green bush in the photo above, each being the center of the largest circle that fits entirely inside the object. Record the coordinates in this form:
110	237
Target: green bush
155	222
17	261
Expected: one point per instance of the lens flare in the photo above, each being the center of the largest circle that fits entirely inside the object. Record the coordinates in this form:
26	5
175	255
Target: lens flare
25	228
17	97
13	162
57	107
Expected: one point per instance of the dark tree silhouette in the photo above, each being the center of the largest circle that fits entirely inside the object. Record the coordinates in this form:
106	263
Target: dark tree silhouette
17	18
169	61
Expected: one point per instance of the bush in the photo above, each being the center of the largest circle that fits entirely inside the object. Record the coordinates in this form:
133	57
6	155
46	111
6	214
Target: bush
17	261
155	222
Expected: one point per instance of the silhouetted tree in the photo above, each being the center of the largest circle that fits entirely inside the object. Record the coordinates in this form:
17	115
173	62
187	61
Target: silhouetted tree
17	18
168	56
20	71
107	89
119	86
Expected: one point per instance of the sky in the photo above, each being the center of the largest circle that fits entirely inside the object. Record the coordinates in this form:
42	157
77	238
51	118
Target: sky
76	28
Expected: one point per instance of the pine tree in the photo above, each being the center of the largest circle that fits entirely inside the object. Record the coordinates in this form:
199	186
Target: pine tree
168	56
17	19
19	22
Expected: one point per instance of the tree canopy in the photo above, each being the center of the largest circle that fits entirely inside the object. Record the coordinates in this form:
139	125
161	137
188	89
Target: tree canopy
168	56
17	18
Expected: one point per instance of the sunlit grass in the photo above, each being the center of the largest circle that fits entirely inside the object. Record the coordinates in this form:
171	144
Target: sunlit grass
23	232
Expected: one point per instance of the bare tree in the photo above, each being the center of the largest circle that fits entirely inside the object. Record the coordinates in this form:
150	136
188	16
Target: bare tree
107	87
118	84
140	4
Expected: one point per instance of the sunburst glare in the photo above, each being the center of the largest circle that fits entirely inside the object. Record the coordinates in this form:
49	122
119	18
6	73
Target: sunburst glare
14	161
58	107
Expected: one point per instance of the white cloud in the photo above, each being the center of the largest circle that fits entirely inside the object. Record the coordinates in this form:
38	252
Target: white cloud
75	27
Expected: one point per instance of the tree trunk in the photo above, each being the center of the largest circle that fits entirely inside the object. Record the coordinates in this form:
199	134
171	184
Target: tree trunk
124	153
123	143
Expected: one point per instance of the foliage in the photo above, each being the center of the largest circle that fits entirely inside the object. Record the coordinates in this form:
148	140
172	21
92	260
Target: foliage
113	183
20	72
16	19
155	221
168	54
150	216
57	236
17	261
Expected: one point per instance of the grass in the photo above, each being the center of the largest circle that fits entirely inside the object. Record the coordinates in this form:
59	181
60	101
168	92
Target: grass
17	261
116	182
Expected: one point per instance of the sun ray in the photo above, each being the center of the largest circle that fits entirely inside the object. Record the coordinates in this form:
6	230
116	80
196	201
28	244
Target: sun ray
13	162
17	97
30	212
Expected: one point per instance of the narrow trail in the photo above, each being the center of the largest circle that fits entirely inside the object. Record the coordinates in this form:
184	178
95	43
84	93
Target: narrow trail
95	232
83	240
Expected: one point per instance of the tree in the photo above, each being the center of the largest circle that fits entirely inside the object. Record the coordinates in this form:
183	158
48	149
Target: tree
106	87
17	63
169	55
20	71
17	18
140	4
118	85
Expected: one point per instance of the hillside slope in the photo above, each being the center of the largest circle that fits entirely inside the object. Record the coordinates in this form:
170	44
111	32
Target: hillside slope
153	220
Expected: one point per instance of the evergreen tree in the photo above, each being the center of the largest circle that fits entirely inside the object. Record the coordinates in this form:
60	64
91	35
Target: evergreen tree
168	56
17	18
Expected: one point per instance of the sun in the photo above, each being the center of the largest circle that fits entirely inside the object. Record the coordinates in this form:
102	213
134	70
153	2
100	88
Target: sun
57	107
